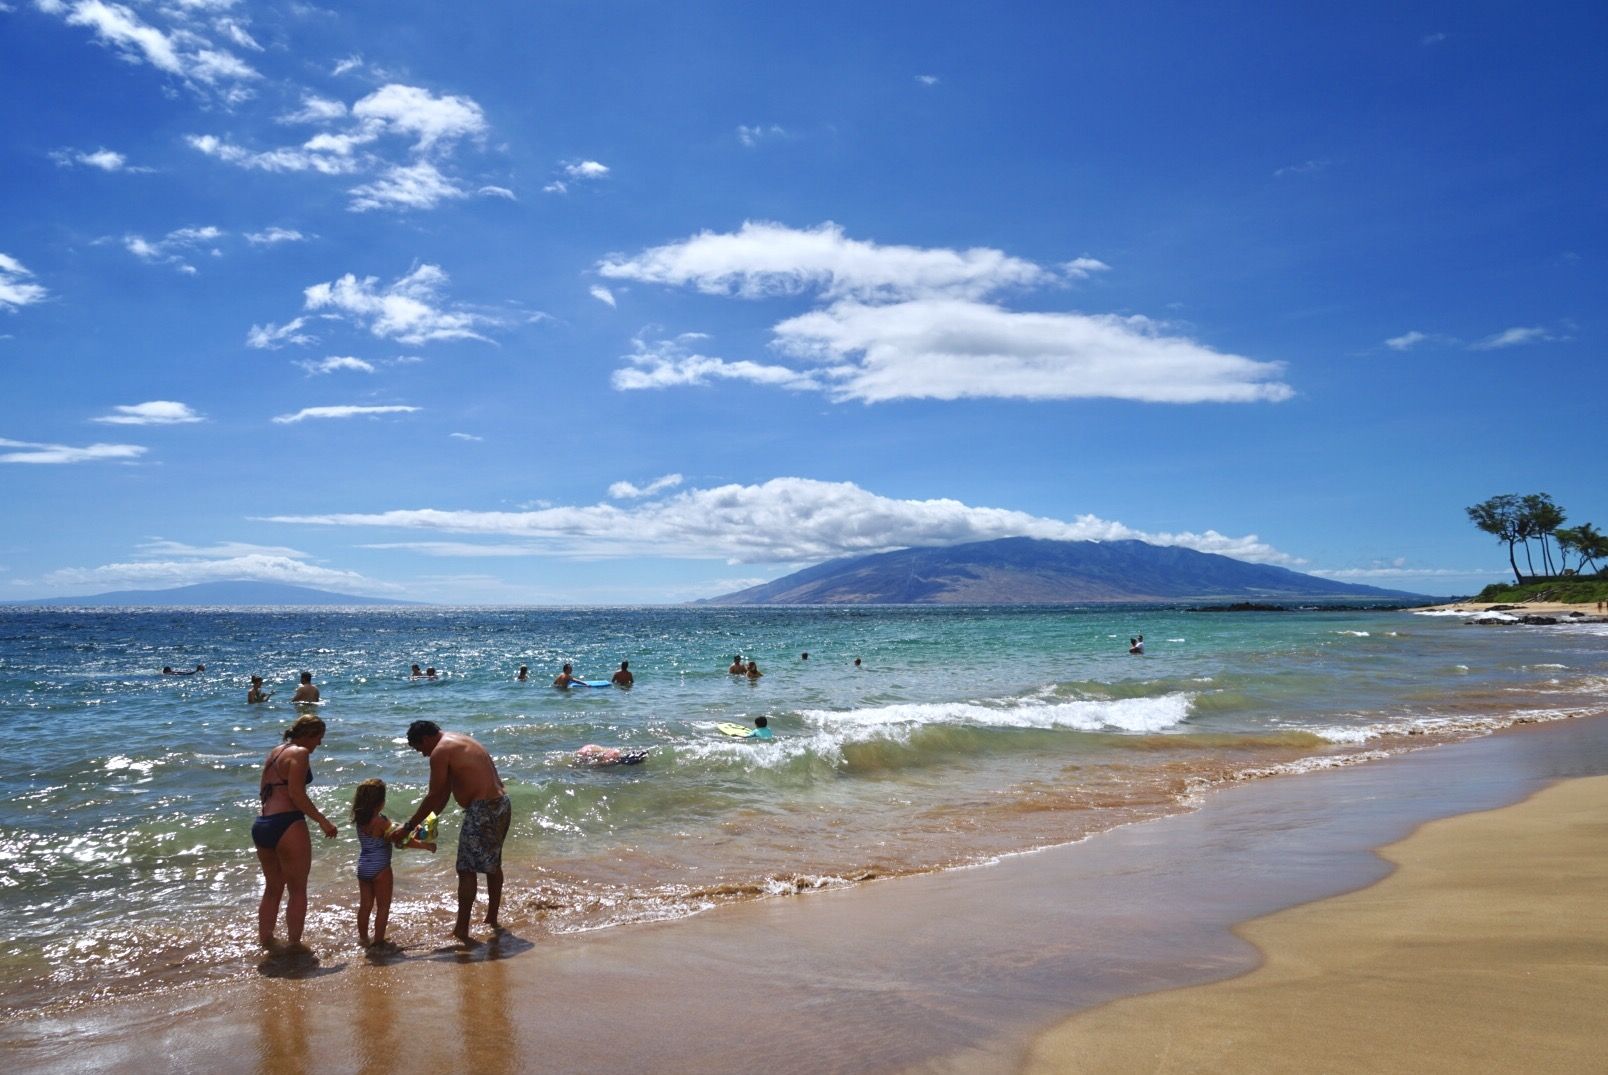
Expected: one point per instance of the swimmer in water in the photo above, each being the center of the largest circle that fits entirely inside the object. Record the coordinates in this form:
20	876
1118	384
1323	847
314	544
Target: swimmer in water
762	729
1136	645
736	668
256	693
524	673
623	678
306	692
566	677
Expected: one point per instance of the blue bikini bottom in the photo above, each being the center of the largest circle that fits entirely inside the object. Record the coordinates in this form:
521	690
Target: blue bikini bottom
268	828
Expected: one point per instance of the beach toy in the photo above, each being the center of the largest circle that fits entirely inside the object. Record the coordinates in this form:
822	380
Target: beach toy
736	731
426	832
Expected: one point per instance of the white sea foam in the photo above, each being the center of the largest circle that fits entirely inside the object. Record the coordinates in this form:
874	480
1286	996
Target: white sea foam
1089	715
1355	634
1443	612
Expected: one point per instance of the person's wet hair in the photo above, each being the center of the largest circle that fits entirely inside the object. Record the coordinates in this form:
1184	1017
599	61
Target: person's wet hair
305	726
760	722
420	730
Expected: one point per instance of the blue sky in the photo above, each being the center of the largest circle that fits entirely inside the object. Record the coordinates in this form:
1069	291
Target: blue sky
626	302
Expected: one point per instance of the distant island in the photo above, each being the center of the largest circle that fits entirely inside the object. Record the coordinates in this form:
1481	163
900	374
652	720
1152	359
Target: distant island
1022	571
256	594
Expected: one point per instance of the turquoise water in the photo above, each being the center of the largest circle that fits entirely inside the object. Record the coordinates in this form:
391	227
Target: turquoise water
968	733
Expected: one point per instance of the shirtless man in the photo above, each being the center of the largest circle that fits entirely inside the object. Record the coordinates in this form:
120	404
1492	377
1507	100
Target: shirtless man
566	677
306	692
461	768
623	678
737	667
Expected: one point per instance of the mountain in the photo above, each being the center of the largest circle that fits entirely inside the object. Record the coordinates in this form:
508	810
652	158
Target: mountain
1024	571
219	593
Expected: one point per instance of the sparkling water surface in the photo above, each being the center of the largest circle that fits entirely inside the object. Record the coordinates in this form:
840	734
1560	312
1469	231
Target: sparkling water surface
967	733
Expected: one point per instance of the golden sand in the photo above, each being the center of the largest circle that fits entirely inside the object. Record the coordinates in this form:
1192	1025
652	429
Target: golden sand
1486	951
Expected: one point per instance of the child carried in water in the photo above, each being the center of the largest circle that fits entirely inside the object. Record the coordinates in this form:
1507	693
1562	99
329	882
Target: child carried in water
374	879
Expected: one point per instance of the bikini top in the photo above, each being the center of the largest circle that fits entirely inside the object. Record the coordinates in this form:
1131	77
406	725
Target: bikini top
268	786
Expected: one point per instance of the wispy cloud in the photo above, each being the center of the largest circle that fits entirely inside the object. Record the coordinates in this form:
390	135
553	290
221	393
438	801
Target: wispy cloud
271	337
180	47
927	80
173	248
21	451
1516	337
158	412
784	520
347	411
335	364
585	169
1432	39
1307	167
106	160
760	132
466	436
623	490
275	236
896	322
17	288
602	294
408	309
361	138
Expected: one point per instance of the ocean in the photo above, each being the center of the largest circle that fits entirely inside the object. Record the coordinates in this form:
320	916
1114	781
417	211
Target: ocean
965	735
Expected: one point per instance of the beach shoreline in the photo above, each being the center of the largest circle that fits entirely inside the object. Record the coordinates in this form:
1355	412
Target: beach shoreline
956	971
1485	949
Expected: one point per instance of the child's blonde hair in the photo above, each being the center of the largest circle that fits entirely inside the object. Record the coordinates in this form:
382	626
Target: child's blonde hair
367	800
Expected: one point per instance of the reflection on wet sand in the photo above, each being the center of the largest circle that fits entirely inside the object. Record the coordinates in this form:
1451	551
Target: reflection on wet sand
380	1026
484	1021
283	1047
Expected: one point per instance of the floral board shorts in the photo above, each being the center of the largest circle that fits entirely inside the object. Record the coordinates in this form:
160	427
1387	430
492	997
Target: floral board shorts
480	841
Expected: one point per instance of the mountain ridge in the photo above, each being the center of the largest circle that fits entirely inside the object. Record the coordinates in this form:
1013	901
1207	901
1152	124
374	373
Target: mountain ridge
1039	571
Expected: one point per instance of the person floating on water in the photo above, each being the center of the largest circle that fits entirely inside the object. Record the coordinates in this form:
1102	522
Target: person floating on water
566	677
461	768
1136	645
623	678
167	671
593	754
524	673
306	692
256	693
374	877
416	673
430	672
737	667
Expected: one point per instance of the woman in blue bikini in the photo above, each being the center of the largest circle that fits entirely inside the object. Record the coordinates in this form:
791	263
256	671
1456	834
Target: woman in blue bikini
280	833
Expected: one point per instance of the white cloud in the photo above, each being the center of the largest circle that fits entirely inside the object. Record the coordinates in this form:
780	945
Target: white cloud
273	236
602	294
1398	572
670	364
557	186
1307	167
335	363
256	567
927	80
172	247
585	169
957	348
784	520
1432	39
180	50
28	452
106	160
349	64
752	136
16	288
1407	340
1515	337
345	411
406	309
466	436
763	259
323	154
420	185
158	412
417	112
317	109
272	337
623	490
497	192
907	323
157	548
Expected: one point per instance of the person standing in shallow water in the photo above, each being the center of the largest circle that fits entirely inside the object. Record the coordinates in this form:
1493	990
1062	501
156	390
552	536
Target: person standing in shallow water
306	692
284	848
623	677
461	768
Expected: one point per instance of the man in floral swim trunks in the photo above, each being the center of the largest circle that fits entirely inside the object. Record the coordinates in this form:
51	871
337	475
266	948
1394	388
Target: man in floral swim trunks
461	768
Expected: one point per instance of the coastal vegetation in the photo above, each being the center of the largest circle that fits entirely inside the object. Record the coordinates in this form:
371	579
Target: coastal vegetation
1518	520
1574	591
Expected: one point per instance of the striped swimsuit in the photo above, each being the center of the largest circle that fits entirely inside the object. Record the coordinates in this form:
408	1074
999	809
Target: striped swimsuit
374	855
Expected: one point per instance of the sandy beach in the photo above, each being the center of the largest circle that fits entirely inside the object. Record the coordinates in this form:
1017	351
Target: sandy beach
959	971
1486	950
1586	611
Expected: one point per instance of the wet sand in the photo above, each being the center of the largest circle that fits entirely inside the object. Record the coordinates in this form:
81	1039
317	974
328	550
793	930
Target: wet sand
1487	950
953	972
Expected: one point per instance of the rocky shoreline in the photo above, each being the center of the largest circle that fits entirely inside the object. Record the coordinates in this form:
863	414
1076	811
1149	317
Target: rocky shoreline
1532	613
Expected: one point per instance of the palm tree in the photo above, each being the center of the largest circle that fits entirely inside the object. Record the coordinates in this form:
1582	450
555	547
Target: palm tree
1499	517
1544	517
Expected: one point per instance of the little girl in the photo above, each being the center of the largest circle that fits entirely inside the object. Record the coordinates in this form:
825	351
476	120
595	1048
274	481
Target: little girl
374	859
